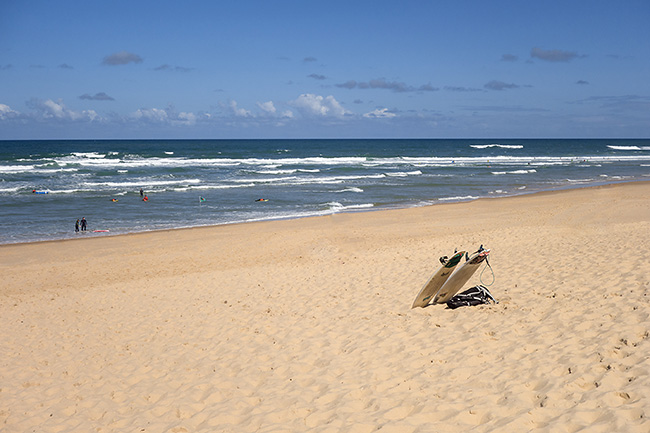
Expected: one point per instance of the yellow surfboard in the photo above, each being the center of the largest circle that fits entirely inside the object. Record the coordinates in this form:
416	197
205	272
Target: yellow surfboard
436	281
460	277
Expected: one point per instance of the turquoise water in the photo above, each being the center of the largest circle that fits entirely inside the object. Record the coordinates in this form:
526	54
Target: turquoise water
207	182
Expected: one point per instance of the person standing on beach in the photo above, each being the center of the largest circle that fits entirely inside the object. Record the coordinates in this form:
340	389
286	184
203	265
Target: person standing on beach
83	224
76	226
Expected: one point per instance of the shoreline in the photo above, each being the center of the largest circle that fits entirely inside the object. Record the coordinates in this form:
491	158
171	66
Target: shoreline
353	211
306	325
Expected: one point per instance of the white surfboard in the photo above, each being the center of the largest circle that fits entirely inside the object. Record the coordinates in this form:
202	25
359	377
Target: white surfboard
460	277
436	281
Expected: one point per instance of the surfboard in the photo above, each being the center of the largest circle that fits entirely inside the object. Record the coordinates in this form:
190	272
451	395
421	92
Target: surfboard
100	231
460	277
436	281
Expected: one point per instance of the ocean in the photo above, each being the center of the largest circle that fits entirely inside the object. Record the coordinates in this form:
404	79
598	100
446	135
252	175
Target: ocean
45	186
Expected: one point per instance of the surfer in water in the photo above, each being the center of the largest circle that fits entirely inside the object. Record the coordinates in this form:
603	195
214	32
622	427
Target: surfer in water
141	192
76	226
83	224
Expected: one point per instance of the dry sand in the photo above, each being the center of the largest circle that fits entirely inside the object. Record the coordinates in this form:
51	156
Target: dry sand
306	325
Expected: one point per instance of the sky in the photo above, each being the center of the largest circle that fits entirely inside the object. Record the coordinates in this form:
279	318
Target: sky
324	69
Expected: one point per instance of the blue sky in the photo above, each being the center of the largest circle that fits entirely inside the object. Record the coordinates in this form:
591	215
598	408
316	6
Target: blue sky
307	69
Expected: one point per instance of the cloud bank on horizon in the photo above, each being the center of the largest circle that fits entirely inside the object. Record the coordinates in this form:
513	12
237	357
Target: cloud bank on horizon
258	70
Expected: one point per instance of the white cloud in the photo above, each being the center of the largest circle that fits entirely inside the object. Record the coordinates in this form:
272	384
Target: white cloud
239	112
50	109
151	115
167	115
7	113
380	114
267	107
186	118
270	110
315	105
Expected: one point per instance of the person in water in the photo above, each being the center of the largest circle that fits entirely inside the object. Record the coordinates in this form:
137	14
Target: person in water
141	192
145	198
83	224
76	225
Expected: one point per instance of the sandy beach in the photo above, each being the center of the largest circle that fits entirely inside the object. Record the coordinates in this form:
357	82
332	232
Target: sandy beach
306	325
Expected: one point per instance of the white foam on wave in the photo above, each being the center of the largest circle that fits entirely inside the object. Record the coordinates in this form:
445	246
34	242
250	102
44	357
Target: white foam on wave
8	190
135	161
32	169
404	173
287	171
578	180
308	180
93	155
458	198
515	172
336	206
65	191
142	183
213	186
613	147
351	189
503	146
11	169
269	180
359	206
311	164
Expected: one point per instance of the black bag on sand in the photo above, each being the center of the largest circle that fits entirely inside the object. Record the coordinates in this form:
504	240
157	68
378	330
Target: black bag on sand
475	296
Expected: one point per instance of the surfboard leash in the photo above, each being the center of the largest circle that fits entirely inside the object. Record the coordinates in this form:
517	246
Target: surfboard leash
487	265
